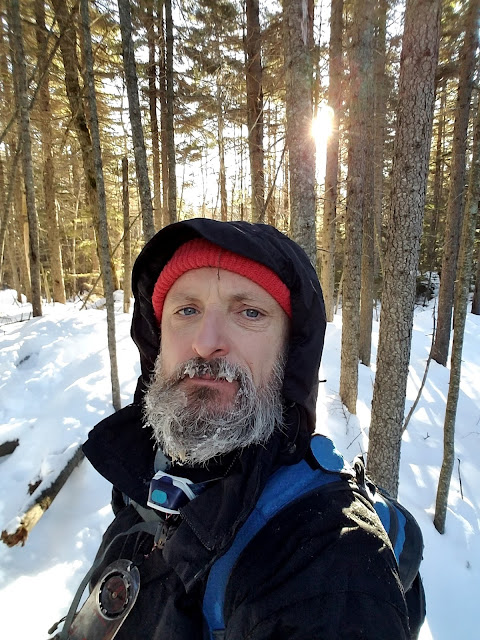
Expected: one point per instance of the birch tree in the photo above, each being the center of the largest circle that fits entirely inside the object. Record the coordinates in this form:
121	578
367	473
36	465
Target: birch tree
402	234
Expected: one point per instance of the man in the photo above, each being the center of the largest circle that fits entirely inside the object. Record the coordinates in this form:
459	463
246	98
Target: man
229	321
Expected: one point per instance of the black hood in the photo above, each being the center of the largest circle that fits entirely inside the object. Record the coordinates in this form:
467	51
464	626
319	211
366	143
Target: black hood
266	245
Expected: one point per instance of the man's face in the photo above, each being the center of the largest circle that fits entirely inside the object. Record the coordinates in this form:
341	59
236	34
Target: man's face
218	377
212	313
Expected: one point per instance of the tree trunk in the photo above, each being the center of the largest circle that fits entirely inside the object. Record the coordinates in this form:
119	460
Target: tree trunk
222	178
403	231
45	120
457	184
152	103
360	106
127	259
459	319
102	206
162	96
431	249
20	71
368	259
380	128
335	74
300	142
476	293
170	125
255	109
138	140
68	47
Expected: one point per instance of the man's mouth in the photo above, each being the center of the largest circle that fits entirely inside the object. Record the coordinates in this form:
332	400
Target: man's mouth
201	372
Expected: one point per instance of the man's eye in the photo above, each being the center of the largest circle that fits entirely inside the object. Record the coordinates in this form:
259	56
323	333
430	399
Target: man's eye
252	313
187	311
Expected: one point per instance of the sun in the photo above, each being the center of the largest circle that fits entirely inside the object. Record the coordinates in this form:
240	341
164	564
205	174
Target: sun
322	125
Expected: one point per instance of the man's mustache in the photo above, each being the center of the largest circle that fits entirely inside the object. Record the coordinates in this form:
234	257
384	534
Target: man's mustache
216	368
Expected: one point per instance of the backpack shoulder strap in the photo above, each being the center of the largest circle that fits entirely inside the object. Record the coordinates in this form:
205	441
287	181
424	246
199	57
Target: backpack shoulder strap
285	486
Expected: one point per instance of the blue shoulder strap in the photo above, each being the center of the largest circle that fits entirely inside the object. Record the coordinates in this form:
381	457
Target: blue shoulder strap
283	487
287	485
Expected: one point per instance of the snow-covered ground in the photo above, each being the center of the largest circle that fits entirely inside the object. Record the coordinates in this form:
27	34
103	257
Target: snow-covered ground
55	385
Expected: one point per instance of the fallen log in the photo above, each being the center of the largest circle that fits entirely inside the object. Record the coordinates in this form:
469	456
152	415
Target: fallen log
17	532
8	447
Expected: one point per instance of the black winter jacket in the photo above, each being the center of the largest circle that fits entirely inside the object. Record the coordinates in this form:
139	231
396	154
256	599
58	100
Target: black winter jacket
322	568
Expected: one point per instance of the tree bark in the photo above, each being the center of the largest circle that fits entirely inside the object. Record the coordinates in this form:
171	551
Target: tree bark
459	319
127	259
380	128
102	207
68	47
152	103
431	240
335	74
368	258
457	184
476	293
162	96
138	139
255	109
45	120
19	69
403	230
222	177
360	105
300	142
170	125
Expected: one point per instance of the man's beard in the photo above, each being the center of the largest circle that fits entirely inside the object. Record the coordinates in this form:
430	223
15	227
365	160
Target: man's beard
192	426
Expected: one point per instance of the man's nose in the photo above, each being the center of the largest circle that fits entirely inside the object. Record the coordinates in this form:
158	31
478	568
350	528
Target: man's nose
211	339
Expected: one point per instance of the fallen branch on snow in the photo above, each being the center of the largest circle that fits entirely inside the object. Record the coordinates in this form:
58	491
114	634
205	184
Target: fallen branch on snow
35	510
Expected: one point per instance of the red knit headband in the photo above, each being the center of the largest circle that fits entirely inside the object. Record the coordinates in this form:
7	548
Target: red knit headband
199	253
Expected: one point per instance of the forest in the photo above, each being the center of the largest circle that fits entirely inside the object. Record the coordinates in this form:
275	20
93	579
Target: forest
353	126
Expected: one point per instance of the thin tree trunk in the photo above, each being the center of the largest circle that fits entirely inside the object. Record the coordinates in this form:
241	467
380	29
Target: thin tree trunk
127	260
403	230
459	319
222	178
45	120
170	126
457	184
360	105
300	142
368	253
102	206
431	261
335	73
162	96
152	103
255	109
380	128
20	71
476	293
138	140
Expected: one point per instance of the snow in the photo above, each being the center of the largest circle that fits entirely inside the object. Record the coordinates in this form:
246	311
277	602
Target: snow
55	386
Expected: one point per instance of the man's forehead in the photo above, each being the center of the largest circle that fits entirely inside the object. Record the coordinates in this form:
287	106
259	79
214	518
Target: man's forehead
197	283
